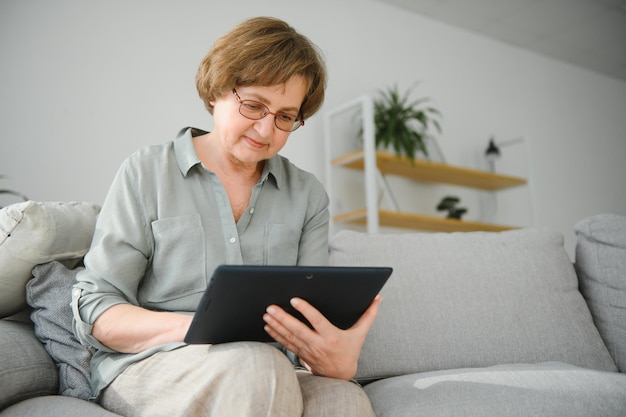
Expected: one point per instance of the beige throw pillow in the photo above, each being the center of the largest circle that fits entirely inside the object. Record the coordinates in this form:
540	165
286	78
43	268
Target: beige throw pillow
33	233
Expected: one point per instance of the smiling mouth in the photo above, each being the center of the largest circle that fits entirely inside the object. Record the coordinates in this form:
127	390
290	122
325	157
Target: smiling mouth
255	144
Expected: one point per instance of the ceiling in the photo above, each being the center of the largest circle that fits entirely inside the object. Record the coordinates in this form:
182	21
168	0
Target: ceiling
587	33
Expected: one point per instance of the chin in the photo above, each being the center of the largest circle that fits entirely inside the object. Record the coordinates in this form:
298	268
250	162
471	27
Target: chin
247	158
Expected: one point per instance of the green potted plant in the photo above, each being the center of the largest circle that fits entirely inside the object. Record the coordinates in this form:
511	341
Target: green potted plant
449	204
11	192
404	125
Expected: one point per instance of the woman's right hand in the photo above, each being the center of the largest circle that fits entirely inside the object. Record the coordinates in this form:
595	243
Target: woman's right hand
324	350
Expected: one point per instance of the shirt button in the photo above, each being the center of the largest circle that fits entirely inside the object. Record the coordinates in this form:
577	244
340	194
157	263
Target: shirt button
252	210
232	240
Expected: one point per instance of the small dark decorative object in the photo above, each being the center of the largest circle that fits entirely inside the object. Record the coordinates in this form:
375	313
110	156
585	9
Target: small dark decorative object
449	204
491	154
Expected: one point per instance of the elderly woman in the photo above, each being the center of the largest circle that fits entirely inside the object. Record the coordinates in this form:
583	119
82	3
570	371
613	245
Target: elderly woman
177	210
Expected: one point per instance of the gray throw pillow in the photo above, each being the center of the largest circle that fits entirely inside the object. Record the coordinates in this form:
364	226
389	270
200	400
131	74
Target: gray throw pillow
49	294
458	300
601	267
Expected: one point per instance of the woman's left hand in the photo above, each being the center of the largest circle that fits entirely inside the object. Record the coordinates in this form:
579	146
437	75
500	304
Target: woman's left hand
324	350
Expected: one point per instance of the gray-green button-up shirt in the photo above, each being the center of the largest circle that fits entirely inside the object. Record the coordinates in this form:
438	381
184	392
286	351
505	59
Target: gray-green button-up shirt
165	225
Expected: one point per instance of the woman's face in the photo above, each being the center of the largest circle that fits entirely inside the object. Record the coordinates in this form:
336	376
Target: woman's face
251	141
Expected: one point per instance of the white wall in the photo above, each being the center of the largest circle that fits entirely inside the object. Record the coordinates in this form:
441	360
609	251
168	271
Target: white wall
84	84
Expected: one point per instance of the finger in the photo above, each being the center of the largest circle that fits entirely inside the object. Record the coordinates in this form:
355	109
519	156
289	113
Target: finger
317	319
284	328
305	364
288	322
276	334
286	338
366	321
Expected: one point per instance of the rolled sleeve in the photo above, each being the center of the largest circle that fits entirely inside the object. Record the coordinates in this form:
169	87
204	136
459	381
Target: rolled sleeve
82	329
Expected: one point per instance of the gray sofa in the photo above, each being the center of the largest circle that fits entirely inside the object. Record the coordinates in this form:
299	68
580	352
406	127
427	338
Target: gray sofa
472	324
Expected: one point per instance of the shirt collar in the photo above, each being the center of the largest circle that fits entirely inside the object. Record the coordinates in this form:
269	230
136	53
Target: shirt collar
185	152
187	158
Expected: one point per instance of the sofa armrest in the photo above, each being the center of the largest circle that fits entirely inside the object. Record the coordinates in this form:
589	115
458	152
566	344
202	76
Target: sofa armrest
601	269
26	369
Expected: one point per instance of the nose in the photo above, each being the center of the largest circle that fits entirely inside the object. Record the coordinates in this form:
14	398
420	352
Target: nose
265	126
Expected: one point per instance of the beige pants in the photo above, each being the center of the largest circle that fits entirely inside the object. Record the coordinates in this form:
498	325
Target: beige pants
234	379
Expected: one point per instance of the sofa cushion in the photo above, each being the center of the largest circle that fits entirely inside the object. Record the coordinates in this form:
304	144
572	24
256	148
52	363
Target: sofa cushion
56	406
522	390
601	267
26	370
474	299
49	294
32	233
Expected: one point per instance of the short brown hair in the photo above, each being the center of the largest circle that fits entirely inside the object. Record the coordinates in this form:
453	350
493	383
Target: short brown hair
262	51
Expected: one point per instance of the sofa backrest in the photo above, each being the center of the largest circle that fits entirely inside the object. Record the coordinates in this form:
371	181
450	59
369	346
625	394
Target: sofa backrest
458	300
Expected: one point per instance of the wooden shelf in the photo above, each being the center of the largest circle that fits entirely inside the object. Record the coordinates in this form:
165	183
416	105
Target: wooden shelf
428	171
419	170
420	222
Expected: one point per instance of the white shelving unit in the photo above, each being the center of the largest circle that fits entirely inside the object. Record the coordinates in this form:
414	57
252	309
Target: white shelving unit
376	164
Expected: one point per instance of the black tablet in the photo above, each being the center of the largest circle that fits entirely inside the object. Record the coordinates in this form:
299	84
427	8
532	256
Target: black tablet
233	305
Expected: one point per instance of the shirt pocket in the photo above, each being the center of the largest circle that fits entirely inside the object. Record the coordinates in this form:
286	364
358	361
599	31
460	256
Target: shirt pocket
282	243
178	264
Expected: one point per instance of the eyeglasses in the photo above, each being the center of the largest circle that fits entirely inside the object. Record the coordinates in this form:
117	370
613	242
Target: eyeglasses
255	110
